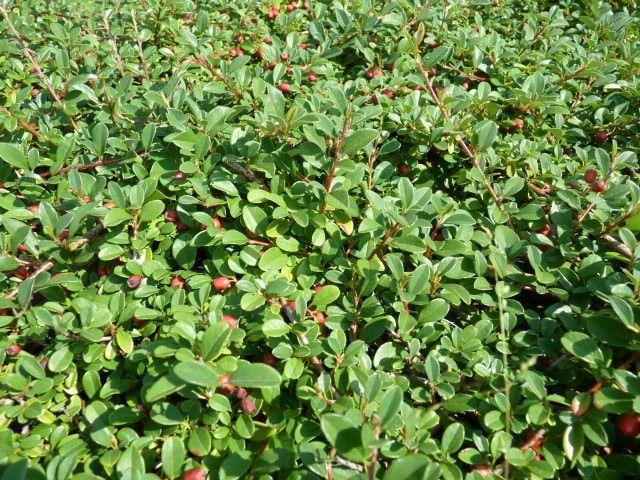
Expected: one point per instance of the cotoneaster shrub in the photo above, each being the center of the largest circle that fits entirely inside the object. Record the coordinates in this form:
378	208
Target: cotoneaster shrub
341	240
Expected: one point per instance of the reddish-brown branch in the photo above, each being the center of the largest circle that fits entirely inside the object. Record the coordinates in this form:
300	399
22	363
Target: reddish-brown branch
43	268
143	60
83	167
392	231
626	364
468	151
328	184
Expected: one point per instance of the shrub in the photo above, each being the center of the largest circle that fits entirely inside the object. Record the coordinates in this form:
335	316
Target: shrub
319	240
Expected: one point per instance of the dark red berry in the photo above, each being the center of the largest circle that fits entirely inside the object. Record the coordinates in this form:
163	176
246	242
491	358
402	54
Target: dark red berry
197	473
312	77
178	281
269	359
599	187
590	176
546	230
221	283
389	93
285	88
483	470
171	216
602	137
231	321
629	425
102	271
268	40
226	386
248	406
13	350
404	169
518	123
181	176
134	281
284	56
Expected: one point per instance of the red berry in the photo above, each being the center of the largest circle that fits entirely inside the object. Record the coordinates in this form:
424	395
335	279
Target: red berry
231	321
217	222
602	137
318	288
285	88
590	176
221	283
139	322
171	216
269	359
389	93
13	350
289	70
304	46
519	123
268	40
291	7
293	305
369	74
102	271
178	281
35	92
248	406
312	77
404	169
64	236
374	99
261	54
599	187
483	470
233	52
197	473
546	230
467	84
417	88
109	205
226	386
284	56
181	226
377	72
239	39
271	65
134	281
21	272
629	425
34	208
320	318
181	176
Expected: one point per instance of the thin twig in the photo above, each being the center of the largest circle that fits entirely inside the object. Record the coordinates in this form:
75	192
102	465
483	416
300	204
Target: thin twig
83	167
25	125
468	151
328	184
36	66
112	41
392	231
43	268
145	66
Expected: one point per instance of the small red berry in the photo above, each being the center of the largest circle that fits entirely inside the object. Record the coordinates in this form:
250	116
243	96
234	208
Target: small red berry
272	64
284	56
268	40
404	169
139	322
226	386
239	39
312	77
546	230
629	425
320	318
21	272
518	123
109	205
64	236
178	281
102	271
318	288
374	99
369	74
181	176
248	406
602	137
217	222
231	321
483	470
269	359
171	216
221	283
13	350
389	93
285	88
261	54
289	70
467	84
233	52
197	473
34	208
134	281
599	187
377	72
241	393
590	176
304	46
417	88
35	92
291	7
293	305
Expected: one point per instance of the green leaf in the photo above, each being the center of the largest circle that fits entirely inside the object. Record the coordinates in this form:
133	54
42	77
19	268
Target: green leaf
100	133
485	135
151	210
412	467
583	347
452	438
327	295
358	140
13	156
196	373
389	405
173	456
623	309
116	216
256	375
343	435
214	340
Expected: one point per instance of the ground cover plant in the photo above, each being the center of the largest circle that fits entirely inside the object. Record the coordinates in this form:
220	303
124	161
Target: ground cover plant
342	240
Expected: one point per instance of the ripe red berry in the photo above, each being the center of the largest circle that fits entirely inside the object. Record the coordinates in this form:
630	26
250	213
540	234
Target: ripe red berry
139	322
13	350
109	205
239	39
291	7
64	236
221	283
629	425
21	272
285	88
374	99
377	72
34	208
293	305
518	123
102	271
248	406
217	222
197	473
417	88
181	176
389	93
268	40
404	169
231	321
546	230
312	77
178	281
134	281
602	137
269	359
289	70
369	74
319	288
590	176
171	216
284	56
271	65
467	84
233	52
320	318
483	470
226	386
304	46
599	187
35	92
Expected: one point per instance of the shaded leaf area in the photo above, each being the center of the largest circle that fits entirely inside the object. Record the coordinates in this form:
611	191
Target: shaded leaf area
342	240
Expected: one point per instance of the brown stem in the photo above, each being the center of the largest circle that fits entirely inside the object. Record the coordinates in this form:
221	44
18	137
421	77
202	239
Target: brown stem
468	151
83	167
145	66
112	41
43	268
392	231
25	125
374	456
328	184
35	64
372	161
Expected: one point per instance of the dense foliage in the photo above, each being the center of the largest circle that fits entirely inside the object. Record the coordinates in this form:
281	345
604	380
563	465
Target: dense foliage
328	239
